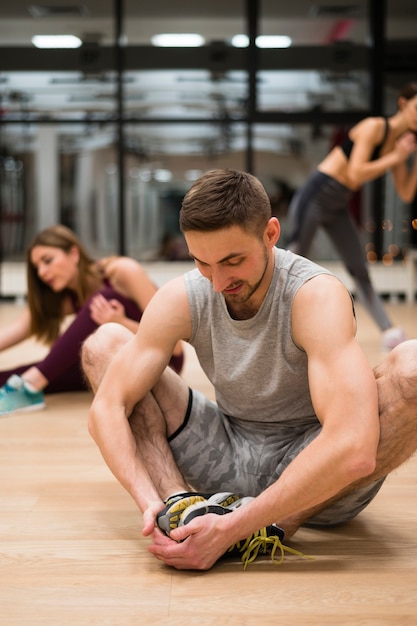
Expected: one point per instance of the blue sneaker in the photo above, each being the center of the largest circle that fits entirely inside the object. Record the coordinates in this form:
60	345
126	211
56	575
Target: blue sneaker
15	397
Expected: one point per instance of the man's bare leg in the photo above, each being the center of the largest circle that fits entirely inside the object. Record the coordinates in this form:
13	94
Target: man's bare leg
396	379
150	424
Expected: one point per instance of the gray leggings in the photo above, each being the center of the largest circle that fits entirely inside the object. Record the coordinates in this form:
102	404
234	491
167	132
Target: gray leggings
322	201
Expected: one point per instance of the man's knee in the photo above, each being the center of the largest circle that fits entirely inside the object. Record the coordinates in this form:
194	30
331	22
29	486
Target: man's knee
401	366
103	344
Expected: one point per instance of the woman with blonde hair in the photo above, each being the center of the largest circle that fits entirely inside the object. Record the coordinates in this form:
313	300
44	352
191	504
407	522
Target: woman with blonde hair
63	280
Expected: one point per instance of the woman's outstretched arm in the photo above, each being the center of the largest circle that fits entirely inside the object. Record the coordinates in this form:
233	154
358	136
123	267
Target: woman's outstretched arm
16	331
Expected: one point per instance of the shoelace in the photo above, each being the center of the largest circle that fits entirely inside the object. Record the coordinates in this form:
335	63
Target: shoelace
253	545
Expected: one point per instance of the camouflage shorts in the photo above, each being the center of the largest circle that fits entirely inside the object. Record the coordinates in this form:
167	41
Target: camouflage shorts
216	453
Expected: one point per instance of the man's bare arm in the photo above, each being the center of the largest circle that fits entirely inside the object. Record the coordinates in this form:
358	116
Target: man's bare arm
132	373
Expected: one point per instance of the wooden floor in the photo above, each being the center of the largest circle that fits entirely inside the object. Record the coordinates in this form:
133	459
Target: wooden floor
71	550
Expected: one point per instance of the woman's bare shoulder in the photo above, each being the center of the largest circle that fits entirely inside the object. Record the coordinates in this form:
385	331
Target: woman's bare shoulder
370	127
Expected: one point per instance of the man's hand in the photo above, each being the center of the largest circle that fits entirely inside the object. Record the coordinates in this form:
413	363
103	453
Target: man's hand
198	545
149	517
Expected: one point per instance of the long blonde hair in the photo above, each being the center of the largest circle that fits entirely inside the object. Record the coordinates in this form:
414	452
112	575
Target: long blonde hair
45	305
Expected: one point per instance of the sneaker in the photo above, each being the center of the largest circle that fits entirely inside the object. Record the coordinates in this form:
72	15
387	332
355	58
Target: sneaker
218	503
240	502
392	337
170	517
14	397
225	498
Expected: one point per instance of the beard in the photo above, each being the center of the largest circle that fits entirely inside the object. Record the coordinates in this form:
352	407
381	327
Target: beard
240	305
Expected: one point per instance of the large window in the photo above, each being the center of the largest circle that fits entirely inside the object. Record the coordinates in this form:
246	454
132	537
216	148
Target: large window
107	138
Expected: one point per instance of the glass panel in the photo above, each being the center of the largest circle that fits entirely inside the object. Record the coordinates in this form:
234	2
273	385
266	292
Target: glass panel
80	187
182	94
306	90
51	174
215	20
315	23
163	161
13	203
401	23
180	121
69	96
326	65
92	21
183	121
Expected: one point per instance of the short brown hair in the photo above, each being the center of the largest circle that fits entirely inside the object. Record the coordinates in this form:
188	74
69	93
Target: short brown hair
222	198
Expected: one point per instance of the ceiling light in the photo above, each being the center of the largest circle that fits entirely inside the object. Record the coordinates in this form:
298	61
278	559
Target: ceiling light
178	40
240	41
273	41
162	175
262	41
56	41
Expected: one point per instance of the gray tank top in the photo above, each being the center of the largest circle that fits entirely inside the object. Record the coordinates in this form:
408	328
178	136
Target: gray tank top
258	372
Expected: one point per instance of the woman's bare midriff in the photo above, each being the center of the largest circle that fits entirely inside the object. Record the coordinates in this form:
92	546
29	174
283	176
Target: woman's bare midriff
335	164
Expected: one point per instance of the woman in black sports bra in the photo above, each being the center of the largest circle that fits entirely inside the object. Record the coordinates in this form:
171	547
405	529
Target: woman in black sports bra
373	147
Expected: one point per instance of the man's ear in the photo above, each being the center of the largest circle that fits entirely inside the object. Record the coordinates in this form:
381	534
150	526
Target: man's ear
272	232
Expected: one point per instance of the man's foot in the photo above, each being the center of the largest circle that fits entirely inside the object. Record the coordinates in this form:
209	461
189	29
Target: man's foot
14	397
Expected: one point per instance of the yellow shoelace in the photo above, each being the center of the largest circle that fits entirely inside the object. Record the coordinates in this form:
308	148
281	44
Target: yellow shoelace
252	546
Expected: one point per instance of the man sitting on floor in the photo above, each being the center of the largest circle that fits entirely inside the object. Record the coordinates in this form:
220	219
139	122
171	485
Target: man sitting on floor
301	424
